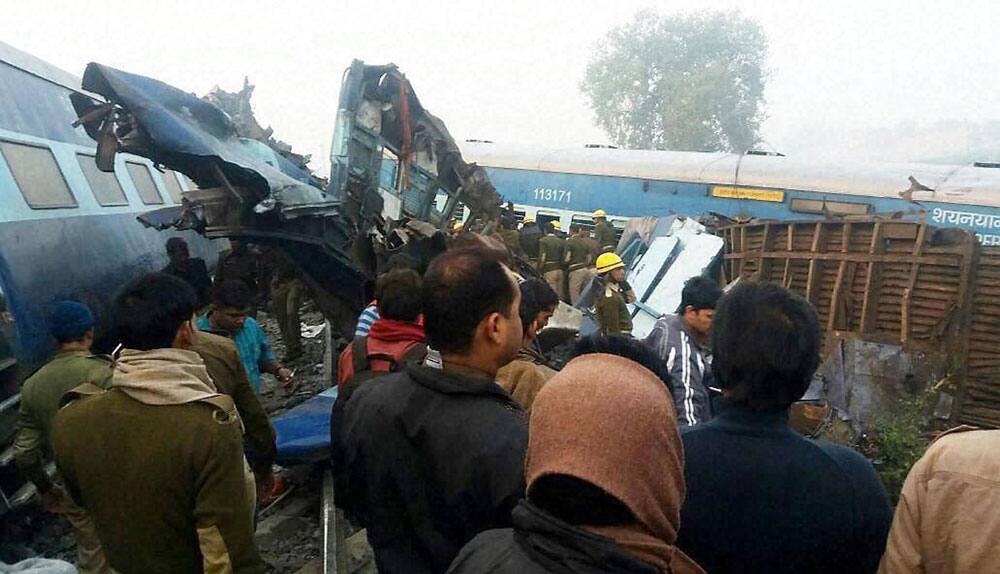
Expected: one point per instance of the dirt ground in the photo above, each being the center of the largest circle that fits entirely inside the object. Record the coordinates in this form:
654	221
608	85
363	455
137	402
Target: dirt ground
289	534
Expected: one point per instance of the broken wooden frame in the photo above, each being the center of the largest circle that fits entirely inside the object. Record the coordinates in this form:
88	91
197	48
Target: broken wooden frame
908	283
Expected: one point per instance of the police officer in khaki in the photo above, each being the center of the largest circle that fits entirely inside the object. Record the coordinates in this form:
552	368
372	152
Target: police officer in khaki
552	258
604	232
613	294
72	326
579	261
157	459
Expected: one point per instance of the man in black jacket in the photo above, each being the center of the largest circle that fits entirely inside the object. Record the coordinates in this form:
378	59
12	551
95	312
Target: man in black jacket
429	457
760	497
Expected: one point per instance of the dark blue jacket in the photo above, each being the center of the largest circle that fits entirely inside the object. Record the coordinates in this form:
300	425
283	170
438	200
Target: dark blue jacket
762	498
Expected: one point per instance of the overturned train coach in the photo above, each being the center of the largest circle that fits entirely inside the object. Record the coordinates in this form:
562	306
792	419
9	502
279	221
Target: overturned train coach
396	177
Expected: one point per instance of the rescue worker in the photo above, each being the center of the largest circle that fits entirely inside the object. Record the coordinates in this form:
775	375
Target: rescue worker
524	376
396	338
604	232
529	236
72	327
611	296
431	455
552	258
157	460
605	472
509	236
230	317
681	341
286	299
579	262
191	269
225	367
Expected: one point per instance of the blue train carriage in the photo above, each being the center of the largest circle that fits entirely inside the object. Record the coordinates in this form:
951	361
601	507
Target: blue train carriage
568	184
67	230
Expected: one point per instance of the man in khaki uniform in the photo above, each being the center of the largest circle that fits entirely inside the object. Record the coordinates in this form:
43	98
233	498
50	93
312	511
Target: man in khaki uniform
286	299
579	261
552	257
72	326
613	296
604	232
157	460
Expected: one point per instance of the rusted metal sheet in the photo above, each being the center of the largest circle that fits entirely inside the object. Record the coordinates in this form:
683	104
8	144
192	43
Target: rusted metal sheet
930	292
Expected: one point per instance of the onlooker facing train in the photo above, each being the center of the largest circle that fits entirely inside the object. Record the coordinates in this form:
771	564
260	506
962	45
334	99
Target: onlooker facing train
157	460
946	521
761	497
552	257
530	234
579	261
604	232
433	456
72	327
612	294
681	341
605	471
191	269
524	376
230	316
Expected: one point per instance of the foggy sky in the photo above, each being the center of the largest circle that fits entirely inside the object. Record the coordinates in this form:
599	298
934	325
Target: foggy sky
511	73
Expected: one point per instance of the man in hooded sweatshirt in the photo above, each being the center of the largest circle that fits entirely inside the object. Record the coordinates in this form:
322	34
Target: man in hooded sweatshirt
157	460
605	473
761	497
433	456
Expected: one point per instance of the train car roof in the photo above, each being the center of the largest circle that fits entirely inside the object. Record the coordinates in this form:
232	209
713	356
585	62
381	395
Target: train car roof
37	67
964	184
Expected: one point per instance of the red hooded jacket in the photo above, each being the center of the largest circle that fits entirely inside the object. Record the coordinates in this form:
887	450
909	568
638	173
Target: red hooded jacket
387	337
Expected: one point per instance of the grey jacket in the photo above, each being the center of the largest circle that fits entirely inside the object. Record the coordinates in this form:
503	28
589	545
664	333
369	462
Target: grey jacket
689	370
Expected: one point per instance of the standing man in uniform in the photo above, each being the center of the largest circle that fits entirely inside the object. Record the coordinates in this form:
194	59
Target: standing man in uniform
157	460
579	261
72	326
530	235
604	233
509	235
286	294
552	257
612	295
681	341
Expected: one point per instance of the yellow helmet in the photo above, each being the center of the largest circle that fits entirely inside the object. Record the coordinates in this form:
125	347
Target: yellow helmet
556	225
528	219
608	262
599	213
458	225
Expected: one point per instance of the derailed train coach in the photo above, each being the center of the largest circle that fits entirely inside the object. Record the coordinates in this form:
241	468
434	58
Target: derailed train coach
67	229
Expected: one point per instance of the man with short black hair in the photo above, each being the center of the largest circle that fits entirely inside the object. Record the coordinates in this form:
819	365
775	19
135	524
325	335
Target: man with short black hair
760	497
524	376
230	317
158	460
681	341
191	269
431	457
579	261
395	338
552	257
72	327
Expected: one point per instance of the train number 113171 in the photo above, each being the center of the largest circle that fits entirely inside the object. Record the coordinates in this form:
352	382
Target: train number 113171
557	195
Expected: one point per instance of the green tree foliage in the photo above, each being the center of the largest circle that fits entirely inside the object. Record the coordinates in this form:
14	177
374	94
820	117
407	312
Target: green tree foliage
689	82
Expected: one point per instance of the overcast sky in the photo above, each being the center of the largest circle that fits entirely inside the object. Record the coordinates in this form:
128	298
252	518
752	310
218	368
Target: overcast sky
510	71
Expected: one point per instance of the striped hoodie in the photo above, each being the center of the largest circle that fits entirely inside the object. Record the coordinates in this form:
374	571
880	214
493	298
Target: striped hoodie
689	370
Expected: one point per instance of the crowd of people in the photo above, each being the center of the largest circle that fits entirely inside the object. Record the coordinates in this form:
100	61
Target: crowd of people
460	447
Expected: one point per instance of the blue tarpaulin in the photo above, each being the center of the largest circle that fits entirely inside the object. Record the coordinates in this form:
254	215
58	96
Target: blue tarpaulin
303	433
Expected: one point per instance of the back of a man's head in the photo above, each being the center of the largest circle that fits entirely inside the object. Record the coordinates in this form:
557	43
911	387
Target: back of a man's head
765	343
176	244
232	294
399	295
627	347
460	289
700	293
149	311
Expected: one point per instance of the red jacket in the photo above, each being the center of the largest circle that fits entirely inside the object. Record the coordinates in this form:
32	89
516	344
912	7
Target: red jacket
388	337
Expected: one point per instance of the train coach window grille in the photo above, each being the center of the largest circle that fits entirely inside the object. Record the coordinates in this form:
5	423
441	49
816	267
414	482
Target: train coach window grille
105	185
822	207
173	186
37	175
144	184
584	221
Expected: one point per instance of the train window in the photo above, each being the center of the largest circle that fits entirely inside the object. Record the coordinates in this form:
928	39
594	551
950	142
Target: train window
106	187
822	207
584	221
37	175
173	186
144	184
